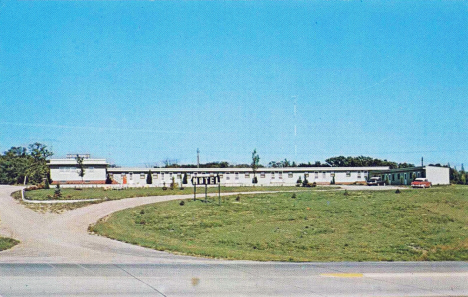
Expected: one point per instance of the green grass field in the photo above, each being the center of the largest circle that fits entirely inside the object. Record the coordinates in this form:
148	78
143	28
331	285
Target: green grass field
415	225
100	193
7	243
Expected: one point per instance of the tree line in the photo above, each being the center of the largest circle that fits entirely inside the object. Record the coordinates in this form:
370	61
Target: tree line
21	165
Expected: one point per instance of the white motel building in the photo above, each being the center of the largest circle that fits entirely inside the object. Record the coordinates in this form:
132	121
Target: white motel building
65	172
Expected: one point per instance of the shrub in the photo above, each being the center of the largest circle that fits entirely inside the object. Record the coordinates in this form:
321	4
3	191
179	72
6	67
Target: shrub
299	181
314	184
238	198
57	192
108	179
397	191
174	185
149	178
47	185
182	203
346	193
254	180
305	183
293	196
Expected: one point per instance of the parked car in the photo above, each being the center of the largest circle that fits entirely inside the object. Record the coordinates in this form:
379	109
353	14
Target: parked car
376	181
421	183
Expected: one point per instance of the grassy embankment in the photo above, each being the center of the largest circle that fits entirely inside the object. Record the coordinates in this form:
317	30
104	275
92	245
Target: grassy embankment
415	225
100	193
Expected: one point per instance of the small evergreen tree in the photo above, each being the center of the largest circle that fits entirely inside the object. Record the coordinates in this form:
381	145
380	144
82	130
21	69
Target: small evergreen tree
184	179
46	184
333	180
149	178
108	179
57	192
305	183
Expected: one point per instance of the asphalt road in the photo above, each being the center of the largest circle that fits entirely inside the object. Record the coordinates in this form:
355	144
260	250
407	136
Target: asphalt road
235	279
57	257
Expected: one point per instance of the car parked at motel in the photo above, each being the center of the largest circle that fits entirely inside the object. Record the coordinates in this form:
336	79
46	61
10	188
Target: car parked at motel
421	183
376	181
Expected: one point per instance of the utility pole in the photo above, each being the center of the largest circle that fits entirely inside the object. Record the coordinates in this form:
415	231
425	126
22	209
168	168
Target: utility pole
422	161
198	158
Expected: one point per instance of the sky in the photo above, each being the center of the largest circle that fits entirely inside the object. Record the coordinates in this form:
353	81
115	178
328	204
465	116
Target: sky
140	82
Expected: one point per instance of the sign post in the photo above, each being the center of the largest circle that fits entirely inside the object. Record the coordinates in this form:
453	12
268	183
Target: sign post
206	180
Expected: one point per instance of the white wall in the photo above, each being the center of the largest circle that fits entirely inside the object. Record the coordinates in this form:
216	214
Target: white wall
438	175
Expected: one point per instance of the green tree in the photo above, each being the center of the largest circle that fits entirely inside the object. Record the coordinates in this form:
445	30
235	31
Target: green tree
38	169
254	164
184	179
149	178
80	166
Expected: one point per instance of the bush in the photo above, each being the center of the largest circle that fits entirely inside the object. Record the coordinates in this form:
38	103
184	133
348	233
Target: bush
174	185
254	180
47	185
182	203
108	179
346	193
305	183
238	198
397	191
57	192
293	196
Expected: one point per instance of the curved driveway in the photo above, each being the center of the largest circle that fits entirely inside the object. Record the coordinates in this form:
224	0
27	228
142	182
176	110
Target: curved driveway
59	238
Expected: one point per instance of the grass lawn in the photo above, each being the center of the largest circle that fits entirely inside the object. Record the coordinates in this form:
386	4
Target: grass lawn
415	225
7	243
91	193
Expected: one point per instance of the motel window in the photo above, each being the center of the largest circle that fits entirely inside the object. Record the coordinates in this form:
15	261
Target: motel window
237	175
189	174
290	175
406	176
227	176
131	176
272	175
62	169
179	176
306	174
348	173
162	175
170	175
142	176
280	175
332	173
91	169
247	175
359	174
398	177
324	175
262	174
316	174
221	175
155	175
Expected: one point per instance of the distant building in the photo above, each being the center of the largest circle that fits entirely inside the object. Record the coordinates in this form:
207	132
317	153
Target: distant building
404	176
65	172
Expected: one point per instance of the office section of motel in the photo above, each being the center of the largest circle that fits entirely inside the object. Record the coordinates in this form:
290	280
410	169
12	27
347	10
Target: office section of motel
66	173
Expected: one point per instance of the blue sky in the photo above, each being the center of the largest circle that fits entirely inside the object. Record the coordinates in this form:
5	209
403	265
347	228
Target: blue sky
139	82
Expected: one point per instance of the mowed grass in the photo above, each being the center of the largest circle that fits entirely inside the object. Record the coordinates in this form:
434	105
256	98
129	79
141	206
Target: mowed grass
101	193
415	225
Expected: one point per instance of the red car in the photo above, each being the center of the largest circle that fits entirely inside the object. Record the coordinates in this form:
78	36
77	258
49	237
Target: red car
421	183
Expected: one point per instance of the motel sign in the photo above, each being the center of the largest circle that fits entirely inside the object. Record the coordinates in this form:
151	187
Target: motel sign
205	180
